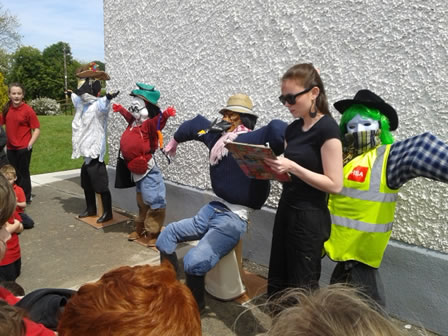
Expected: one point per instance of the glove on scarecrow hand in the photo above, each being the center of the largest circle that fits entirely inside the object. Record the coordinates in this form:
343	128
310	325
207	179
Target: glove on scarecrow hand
170	149
171	111
118	108
112	95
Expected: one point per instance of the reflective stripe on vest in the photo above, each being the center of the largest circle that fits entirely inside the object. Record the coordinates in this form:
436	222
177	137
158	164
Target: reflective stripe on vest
361	226
363	213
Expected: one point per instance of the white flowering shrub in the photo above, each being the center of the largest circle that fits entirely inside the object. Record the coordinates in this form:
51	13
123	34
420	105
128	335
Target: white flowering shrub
45	106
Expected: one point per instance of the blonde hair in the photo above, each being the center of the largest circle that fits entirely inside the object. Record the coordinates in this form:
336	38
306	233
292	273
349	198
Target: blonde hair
336	310
132	301
8	171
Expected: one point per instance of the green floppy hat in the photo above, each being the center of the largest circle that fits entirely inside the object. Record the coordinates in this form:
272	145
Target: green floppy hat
146	92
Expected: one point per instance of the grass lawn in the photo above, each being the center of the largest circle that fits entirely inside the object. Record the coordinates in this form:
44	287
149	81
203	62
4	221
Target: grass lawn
53	149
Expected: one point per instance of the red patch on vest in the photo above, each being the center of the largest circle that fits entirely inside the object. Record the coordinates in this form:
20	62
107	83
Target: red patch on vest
358	174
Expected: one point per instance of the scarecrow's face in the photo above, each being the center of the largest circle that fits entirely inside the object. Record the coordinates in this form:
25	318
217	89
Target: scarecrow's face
359	124
138	109
232	118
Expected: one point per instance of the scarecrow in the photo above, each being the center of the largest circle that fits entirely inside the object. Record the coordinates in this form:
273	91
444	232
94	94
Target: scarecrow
219	225
89	128
375	168
138	143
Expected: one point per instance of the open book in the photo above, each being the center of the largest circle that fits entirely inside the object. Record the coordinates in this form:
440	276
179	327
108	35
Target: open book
251	157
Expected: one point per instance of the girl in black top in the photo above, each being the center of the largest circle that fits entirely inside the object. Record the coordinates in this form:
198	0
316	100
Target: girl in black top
313	158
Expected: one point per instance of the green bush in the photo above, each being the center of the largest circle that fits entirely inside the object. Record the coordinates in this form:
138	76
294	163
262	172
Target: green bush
46	106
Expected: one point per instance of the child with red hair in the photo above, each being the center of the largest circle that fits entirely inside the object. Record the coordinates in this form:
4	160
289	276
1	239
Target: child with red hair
139	301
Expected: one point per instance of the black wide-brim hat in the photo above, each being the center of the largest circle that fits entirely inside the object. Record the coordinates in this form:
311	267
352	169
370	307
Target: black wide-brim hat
370	99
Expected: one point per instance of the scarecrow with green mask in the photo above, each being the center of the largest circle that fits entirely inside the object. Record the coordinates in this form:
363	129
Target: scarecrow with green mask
138	143
375	168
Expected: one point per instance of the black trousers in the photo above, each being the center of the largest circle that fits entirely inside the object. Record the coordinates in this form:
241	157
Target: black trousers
94	177
27	221
297	242
11	271
21	160
362	276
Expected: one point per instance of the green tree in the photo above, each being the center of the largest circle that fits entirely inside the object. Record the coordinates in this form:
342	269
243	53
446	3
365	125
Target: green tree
3	91
27	67
53	82
42	74
53	76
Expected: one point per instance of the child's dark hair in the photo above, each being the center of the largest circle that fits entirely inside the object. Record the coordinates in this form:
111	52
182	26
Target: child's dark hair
8	104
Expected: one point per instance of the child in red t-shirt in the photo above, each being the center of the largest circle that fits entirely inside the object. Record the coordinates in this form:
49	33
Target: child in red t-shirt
10	173
11	263
22	129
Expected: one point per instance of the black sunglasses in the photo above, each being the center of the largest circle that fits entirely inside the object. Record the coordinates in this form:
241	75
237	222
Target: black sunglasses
291	98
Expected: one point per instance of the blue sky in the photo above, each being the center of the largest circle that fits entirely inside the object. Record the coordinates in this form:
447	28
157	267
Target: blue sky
45	22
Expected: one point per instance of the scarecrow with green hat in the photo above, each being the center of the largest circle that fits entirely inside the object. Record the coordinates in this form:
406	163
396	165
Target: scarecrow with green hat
138	143
375	168
89	136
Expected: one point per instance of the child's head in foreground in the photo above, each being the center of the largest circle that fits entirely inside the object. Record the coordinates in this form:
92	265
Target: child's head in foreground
139	301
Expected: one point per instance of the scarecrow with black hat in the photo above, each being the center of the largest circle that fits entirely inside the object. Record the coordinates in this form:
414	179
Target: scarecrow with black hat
89	135
375	168
219	225
138	143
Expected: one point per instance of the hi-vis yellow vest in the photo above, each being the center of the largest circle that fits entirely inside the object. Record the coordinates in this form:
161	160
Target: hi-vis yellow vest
363	213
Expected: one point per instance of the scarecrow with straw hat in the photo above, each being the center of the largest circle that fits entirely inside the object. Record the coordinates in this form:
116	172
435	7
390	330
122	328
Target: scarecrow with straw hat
138	143
375	168
89	137
219	225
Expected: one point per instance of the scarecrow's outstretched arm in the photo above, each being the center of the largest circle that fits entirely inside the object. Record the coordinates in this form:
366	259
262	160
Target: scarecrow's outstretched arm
423	155
123	111
188	130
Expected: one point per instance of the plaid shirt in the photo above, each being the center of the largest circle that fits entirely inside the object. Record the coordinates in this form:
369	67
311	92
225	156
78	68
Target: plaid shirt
423	155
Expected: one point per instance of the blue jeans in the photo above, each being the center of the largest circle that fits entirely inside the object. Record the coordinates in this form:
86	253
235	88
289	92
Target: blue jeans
216	227
153	189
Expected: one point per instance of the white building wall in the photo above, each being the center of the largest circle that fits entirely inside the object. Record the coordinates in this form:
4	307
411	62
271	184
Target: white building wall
198	53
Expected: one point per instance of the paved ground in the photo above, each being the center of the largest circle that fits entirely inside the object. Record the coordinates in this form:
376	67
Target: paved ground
63	252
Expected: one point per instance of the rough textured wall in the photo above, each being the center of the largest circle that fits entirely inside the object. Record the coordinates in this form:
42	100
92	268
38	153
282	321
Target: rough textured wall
200	52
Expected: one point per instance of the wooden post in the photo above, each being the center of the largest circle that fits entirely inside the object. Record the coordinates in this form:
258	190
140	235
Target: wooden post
239	257
99	205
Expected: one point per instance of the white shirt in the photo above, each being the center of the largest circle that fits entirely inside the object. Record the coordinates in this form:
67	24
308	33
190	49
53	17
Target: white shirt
89	126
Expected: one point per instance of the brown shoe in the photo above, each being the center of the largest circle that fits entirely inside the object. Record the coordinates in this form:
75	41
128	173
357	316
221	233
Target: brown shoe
149	239
138	233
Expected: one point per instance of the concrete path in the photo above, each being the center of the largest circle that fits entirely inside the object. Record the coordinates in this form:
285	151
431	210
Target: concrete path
64	252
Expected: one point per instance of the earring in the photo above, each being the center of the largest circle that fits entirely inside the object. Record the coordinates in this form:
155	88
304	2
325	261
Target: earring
313	109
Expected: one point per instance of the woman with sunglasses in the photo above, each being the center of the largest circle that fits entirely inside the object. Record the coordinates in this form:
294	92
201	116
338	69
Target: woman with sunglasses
313	158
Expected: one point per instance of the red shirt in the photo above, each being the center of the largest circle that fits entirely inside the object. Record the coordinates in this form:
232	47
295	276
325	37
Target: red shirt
142	139
20	195
12	245
32	328
19	123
